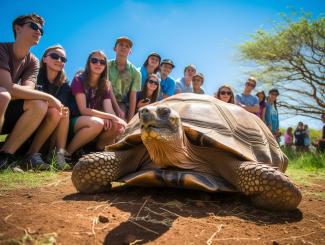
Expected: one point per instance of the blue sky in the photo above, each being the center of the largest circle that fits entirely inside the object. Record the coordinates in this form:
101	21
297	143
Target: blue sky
204	33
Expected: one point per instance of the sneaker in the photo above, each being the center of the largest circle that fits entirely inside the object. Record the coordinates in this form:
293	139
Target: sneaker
7	160
61	161
37	162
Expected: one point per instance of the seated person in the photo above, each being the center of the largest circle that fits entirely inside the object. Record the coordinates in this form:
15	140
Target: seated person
225	94
197	82
22	108
52	80
96	119
150	91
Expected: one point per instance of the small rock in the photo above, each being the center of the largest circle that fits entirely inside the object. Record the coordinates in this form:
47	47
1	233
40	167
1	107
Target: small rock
103	219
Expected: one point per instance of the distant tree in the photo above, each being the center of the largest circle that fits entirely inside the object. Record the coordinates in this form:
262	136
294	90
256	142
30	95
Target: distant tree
292	58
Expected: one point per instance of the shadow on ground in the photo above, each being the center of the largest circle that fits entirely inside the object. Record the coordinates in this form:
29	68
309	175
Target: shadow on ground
153	211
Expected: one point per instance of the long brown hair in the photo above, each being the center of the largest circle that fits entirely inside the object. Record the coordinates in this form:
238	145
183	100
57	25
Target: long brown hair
60	77
103	83
145	89
232	96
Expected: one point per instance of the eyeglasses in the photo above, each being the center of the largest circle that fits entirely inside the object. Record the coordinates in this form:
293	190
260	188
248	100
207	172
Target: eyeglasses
225	93
153	82
55	56
96	60
35	27
250	84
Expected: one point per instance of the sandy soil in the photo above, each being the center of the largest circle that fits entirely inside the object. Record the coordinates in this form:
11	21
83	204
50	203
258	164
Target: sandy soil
57	214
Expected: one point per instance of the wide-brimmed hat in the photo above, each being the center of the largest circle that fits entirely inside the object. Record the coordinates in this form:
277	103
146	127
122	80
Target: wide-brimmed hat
124	39
167	61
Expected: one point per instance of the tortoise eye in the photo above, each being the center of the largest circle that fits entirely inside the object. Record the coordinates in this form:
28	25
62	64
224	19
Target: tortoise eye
164	112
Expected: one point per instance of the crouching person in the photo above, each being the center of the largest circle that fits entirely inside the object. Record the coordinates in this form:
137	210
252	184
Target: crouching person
52	80
22	107
96	120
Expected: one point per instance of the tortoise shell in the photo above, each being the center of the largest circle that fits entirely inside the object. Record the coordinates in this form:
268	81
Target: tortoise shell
208	121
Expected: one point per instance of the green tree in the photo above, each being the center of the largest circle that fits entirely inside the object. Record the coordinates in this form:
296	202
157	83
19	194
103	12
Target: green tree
292	58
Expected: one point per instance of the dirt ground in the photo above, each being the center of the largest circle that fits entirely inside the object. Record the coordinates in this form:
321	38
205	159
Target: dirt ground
56	214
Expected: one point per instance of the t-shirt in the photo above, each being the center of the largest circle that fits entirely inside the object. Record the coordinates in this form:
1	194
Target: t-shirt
201	91
22	70
167	87
249	100
288	139
181	86
272	117
144	75
62	93
125	81
299	137
260	110
92	101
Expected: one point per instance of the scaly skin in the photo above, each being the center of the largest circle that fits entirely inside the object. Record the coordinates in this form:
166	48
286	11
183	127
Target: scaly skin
267	187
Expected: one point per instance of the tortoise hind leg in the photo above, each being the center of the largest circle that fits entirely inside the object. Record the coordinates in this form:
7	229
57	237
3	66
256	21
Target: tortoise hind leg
268	187
94	172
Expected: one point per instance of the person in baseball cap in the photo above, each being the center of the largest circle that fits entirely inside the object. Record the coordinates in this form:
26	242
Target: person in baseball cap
197	82
167	83
150	66
123	39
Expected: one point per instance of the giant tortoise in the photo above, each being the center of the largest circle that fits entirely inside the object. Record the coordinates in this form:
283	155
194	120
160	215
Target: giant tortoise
195	142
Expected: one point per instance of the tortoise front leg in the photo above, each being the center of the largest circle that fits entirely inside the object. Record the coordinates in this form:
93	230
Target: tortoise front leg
267	187
94	172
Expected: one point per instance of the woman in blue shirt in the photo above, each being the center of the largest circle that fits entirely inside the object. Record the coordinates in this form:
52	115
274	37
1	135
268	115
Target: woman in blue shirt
271	113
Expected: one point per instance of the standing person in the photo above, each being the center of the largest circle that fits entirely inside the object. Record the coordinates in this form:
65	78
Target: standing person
184	84
306	138
150	91
197	82
96	118
288	138
167	84
246	100
226	94
150	66
299	134
52	80
320	143
262	104
22	108
271	113
125	79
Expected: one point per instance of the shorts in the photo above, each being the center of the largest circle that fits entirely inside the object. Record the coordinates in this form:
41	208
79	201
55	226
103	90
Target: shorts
72	123
14	111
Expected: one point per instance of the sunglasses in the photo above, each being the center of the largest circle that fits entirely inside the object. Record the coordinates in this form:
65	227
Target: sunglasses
55	56
96	61
225	93
35	27
250	84
153	82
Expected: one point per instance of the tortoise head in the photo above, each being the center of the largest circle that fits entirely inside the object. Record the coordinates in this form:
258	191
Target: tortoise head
159	124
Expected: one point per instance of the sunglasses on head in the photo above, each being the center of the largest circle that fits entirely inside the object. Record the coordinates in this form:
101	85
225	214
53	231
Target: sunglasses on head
56	56
225	92
35	27
153	82
250	84
96	60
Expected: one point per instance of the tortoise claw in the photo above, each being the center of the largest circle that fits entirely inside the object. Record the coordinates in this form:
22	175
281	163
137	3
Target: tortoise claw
268	187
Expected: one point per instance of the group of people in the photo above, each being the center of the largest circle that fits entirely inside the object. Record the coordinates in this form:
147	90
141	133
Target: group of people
39	106
301	140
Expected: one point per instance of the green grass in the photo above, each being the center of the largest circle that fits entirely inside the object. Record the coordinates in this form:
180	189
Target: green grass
3	137
10	180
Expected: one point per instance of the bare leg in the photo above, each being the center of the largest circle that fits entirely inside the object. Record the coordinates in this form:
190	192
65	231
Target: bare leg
34	112
4	101
86	129
108	137
94	172
45	130
59	137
